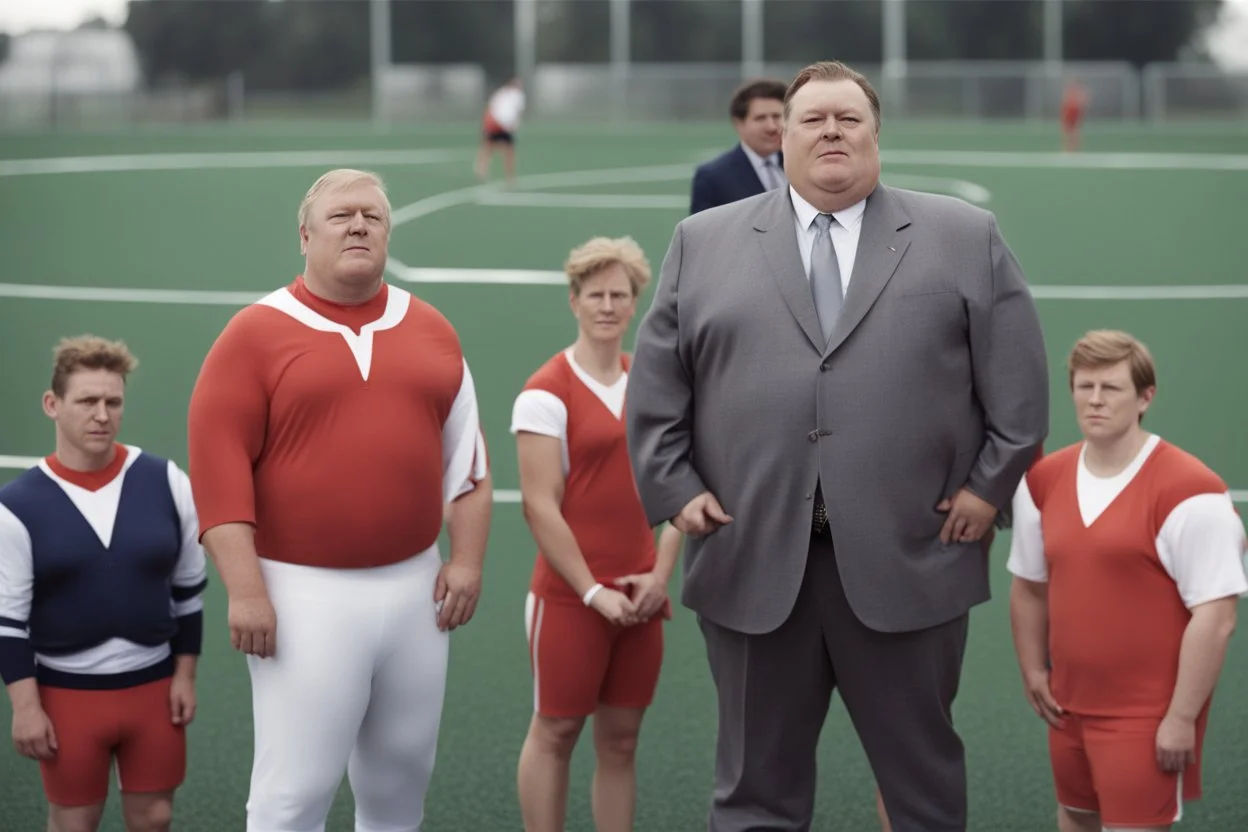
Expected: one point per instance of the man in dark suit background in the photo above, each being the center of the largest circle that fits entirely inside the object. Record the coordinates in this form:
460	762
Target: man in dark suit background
755	164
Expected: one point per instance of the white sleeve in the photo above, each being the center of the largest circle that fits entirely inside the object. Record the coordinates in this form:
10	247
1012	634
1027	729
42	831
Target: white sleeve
464	460
540	411
190	575
1202	545
17	576
1027	559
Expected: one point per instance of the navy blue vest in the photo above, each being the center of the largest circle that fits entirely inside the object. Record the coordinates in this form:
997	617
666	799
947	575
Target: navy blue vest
85	593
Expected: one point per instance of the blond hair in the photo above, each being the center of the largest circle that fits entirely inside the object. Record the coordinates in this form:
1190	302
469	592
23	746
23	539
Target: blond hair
89	352
832	71
600	253
339	180
1107	347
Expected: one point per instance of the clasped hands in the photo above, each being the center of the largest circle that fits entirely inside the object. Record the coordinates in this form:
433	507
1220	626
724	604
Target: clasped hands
633	600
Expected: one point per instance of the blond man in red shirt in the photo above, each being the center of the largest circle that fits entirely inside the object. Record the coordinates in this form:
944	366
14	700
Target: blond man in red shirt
333	422
1127	556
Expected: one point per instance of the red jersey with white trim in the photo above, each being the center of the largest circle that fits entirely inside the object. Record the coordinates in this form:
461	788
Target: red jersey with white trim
600	500
1125	558
339	432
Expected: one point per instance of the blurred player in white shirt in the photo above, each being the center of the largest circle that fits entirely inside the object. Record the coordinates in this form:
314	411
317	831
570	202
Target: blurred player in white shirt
498	128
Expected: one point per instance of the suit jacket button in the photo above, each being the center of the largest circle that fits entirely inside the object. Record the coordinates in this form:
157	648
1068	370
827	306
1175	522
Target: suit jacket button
813	436
823	367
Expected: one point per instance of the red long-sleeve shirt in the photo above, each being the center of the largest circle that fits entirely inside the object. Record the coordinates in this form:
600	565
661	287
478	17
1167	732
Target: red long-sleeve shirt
339	432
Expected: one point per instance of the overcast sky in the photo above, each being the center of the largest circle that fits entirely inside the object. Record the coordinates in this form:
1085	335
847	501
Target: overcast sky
1229	43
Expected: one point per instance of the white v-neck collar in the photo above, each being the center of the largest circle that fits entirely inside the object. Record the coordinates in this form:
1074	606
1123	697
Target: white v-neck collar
361	346
611	395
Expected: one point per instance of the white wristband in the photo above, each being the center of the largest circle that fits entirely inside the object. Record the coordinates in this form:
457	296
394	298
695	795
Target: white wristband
590	593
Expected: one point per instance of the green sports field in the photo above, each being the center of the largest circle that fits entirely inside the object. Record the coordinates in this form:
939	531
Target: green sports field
1142	231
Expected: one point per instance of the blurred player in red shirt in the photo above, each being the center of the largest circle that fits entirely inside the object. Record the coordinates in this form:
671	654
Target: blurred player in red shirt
1074	103
1127	562
332	423
598	595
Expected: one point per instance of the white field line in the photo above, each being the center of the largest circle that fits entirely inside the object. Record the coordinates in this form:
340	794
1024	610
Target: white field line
970	191
537	199
1209	292
1082	160
501	495
536	277
494	193
196	297
127	163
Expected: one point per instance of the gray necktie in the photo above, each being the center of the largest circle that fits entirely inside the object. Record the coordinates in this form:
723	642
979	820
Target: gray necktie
774	179
825	276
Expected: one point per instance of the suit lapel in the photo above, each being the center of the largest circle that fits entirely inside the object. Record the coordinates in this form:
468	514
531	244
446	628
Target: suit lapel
881	244
778	238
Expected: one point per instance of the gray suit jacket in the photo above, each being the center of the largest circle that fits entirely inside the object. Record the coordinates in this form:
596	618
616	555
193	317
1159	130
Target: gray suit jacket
935	378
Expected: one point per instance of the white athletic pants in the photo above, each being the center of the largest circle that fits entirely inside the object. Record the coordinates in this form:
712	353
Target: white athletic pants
356	685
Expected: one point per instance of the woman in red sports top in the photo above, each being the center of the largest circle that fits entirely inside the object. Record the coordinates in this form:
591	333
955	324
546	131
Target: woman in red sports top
598	595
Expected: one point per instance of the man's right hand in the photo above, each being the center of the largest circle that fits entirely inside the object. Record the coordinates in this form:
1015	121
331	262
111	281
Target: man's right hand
33	734
1040	697
253	626
615	606
701	516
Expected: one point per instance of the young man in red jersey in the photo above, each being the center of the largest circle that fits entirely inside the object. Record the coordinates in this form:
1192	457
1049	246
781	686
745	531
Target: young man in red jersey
1127	556
598	596
331	424
101	609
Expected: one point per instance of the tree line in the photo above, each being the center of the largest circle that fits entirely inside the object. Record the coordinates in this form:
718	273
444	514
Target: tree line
325	44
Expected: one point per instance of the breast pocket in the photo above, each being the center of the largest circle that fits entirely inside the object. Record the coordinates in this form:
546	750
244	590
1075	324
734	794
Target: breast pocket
929	318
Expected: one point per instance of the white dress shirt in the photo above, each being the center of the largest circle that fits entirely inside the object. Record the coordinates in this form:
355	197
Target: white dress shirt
844	233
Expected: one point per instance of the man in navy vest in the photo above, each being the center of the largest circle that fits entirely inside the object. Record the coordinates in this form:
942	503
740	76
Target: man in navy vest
755	164
101	614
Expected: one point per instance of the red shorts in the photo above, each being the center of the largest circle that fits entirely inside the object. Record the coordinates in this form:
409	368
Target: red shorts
1071	116
92	726
580	660
1109	765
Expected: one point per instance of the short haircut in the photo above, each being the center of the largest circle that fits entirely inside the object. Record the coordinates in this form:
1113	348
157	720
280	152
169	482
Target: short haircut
340	180
832	71
1107	347
739	106
600	253
89	352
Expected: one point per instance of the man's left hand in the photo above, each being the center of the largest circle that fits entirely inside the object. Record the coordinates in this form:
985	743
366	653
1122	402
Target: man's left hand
969	517
457	590
1176	743
182	699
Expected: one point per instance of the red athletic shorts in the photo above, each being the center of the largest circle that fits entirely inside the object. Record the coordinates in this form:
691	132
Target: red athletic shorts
580	660
92	726
1071	116
1109	765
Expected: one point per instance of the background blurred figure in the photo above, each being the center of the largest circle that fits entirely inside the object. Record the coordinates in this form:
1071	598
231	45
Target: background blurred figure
598	595
756	163
498	128
1074	104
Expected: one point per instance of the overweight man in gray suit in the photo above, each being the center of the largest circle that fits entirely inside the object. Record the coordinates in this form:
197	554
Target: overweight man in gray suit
836	465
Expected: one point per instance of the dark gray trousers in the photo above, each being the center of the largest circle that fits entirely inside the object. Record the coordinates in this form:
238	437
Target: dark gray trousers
774	690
